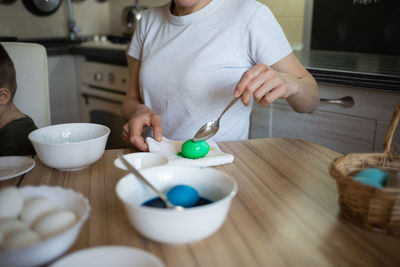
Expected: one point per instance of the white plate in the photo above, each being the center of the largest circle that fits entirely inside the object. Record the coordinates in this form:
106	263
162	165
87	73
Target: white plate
106	256
142	160
12	166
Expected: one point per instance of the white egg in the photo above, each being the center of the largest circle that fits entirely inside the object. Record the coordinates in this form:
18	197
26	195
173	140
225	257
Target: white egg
11	225
54	222
11	202
34	208
20	239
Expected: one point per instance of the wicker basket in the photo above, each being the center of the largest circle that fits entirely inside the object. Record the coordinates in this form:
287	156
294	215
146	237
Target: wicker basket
372	208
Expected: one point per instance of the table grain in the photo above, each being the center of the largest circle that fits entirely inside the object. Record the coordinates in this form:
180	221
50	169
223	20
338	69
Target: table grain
286	212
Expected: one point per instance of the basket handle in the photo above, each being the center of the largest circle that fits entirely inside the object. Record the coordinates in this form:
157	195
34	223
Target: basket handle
392	127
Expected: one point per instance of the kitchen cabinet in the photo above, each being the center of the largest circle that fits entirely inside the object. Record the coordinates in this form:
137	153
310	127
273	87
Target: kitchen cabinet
63	88
360	128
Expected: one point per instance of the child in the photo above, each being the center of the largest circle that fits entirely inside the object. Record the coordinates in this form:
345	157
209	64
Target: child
14	125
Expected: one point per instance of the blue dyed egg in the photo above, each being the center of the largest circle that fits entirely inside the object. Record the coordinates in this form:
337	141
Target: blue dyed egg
183	195
372	177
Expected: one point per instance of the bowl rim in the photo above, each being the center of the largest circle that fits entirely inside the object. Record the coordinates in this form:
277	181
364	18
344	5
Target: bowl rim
141	156
147	209
81	221
70	143
109	251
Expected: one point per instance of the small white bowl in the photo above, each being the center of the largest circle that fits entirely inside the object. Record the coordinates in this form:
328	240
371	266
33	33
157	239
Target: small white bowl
172	226
70	146
49	249
142	160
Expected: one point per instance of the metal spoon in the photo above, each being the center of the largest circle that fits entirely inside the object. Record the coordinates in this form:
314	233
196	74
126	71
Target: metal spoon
209	129
141	177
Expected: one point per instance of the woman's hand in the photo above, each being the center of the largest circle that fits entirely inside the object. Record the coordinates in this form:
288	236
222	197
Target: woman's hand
286	78
142	118
265	84
138	115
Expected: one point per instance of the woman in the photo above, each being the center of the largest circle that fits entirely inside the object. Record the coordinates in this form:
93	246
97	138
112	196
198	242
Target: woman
190	57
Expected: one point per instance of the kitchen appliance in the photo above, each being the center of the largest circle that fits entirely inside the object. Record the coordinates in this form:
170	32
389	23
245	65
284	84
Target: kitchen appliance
42	7
102	92
131	15
367	26
7	2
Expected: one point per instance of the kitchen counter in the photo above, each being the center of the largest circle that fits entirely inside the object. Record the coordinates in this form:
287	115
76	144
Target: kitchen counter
103	55
64	46
54	46
380	72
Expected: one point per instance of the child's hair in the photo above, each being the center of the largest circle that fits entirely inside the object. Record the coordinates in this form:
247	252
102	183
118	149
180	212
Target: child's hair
7	72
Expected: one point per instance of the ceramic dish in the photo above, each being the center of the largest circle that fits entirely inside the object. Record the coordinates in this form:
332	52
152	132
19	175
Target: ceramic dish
106	256
70	146
50	248
13	166
142	160
186	226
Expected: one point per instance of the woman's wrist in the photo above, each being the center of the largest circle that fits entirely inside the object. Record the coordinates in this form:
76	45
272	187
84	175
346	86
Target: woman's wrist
131	108
292	84
306	97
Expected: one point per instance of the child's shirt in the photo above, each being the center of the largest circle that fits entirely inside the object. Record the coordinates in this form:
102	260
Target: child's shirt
14	138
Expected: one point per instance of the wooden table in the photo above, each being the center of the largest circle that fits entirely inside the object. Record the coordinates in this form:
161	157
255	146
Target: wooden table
285	214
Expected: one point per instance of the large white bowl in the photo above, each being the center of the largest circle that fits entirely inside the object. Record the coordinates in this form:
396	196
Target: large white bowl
49	249
172	226
70	146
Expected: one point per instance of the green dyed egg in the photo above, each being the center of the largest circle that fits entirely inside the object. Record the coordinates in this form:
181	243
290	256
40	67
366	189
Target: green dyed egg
194	150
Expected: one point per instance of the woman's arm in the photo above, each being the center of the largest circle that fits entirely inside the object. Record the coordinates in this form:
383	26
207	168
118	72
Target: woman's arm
138	114
285	79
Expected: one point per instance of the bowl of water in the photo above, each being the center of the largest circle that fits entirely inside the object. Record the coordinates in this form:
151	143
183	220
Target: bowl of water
149	217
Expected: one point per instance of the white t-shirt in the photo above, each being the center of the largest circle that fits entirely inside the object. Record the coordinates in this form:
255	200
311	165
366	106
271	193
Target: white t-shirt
191	64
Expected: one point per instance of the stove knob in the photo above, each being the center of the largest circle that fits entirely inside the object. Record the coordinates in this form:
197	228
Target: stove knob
98	77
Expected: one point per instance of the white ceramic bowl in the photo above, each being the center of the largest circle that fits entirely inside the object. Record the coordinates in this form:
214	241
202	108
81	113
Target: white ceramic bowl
142	160
49	249
108	256
70	146
172	226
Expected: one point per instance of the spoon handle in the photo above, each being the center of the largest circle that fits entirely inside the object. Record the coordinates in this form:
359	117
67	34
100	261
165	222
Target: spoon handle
228	106
140	176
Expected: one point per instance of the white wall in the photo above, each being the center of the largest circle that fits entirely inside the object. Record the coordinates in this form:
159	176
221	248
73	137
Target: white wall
92	16
117	6
105	18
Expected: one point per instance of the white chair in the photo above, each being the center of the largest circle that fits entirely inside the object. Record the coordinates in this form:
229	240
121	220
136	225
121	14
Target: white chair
32	96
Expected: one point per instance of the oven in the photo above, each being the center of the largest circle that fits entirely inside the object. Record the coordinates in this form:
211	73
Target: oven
102	92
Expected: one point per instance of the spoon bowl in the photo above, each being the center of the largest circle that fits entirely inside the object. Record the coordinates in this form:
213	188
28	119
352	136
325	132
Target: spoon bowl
209	129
